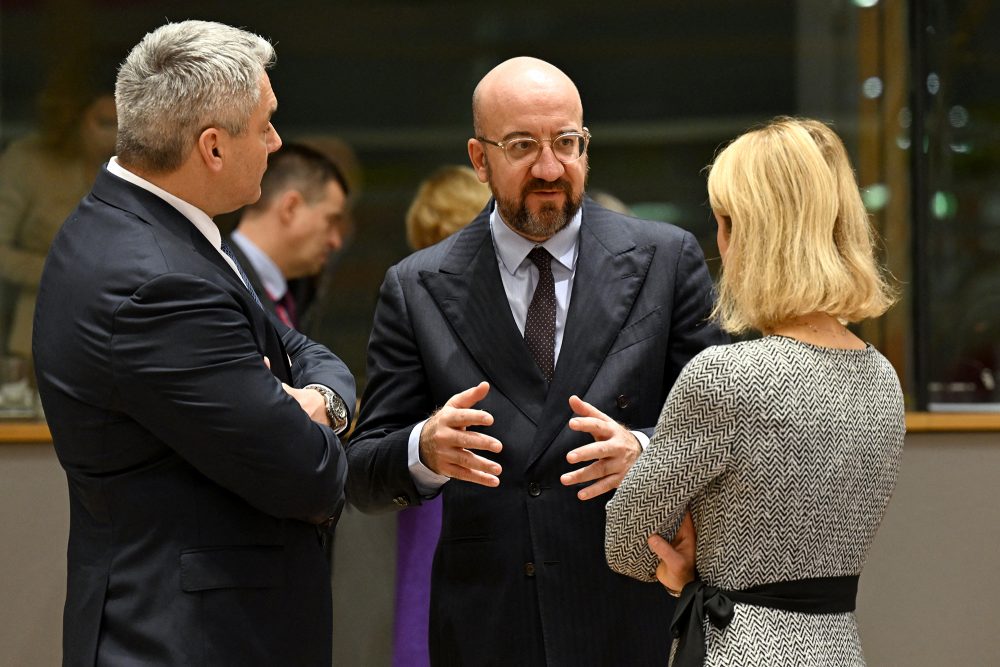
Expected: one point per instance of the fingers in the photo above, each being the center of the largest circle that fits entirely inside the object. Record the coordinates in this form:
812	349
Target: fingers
457	413
614	451
585	409
446	442
685	536
469	397
267	362
464	465
599	429
595	471
460	439
676	567
594	451
591	420
665	552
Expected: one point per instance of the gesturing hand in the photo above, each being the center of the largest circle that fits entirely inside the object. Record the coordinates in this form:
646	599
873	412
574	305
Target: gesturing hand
613	451
676	566
445	444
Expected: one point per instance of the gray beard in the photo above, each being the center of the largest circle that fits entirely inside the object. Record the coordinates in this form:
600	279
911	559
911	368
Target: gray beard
545	224
549	220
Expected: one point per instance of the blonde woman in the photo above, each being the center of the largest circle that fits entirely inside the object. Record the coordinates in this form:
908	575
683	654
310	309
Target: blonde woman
785	449
445	202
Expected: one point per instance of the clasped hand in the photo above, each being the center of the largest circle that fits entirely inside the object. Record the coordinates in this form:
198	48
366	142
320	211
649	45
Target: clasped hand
310	400
676	566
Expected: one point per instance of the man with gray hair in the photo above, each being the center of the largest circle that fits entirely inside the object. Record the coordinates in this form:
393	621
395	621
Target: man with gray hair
198	433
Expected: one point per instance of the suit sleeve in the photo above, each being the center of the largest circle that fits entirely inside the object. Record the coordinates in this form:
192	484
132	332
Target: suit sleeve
691	447
187	368
396	398
313	363
691	330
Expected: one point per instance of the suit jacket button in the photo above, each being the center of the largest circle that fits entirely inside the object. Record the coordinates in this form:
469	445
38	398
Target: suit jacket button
534	490
402	501
623	401
529	569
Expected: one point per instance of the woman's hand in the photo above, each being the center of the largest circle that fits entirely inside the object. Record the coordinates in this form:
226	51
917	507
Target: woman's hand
676	566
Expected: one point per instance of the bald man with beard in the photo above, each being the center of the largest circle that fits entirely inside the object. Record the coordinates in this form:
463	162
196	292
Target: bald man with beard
517	368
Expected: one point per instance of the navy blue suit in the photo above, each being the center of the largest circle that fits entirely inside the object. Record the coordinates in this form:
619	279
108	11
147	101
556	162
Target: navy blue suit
197	485
519	576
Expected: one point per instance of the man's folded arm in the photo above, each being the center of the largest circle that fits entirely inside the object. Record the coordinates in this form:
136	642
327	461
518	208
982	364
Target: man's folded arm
188	369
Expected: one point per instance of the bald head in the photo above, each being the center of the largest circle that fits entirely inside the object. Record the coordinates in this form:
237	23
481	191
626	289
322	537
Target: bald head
524	105
526	84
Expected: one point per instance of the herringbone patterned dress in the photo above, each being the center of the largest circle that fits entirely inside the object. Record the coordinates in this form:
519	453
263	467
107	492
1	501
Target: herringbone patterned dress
787	454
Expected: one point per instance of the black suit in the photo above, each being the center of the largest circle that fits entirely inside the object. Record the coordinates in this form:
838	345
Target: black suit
519	575
197	484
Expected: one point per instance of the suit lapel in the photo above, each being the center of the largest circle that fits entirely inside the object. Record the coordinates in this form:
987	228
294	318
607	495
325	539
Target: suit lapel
468	290
158	213
610	270
255	282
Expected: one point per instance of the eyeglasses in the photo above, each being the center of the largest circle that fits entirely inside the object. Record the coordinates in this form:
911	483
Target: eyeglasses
525	151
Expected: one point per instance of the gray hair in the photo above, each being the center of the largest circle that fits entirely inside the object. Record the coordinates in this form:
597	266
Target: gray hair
180	79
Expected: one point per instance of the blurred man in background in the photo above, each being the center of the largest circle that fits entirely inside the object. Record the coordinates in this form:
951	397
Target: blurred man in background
290	231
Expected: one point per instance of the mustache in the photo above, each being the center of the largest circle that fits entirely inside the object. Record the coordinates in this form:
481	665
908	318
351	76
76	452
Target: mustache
539	184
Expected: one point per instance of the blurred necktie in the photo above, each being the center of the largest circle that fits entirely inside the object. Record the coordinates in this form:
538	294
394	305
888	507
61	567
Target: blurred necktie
540	327
285	308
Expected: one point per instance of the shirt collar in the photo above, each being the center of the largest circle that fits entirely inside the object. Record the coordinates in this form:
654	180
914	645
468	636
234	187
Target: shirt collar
198	218
512	248
270	275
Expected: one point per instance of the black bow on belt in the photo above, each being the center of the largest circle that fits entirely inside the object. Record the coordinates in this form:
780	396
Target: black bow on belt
826	595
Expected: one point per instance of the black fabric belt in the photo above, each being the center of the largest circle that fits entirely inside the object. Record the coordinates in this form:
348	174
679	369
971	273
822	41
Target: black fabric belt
827	595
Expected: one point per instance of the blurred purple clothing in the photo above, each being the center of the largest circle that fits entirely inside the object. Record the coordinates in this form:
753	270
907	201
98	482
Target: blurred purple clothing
417	537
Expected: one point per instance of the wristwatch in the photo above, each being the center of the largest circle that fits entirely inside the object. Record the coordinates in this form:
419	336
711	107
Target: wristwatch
336	411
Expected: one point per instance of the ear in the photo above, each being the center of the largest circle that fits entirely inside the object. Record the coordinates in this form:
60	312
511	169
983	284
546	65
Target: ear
477	155
209	147
288	204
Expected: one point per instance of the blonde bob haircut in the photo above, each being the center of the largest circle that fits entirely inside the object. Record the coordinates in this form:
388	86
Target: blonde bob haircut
800	239
447	201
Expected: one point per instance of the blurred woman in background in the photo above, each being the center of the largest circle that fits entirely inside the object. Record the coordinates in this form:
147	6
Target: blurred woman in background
42	178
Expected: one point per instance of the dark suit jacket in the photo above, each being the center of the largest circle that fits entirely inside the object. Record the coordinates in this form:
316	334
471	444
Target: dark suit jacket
519	576
196	483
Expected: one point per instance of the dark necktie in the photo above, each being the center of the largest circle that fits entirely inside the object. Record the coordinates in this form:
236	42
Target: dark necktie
540	326
243	275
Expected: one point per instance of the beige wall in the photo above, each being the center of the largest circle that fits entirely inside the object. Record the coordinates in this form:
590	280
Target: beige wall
929	593
34	525
927	596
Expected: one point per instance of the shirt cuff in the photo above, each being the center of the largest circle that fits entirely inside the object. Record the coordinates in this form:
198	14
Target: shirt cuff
427	481
642	438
